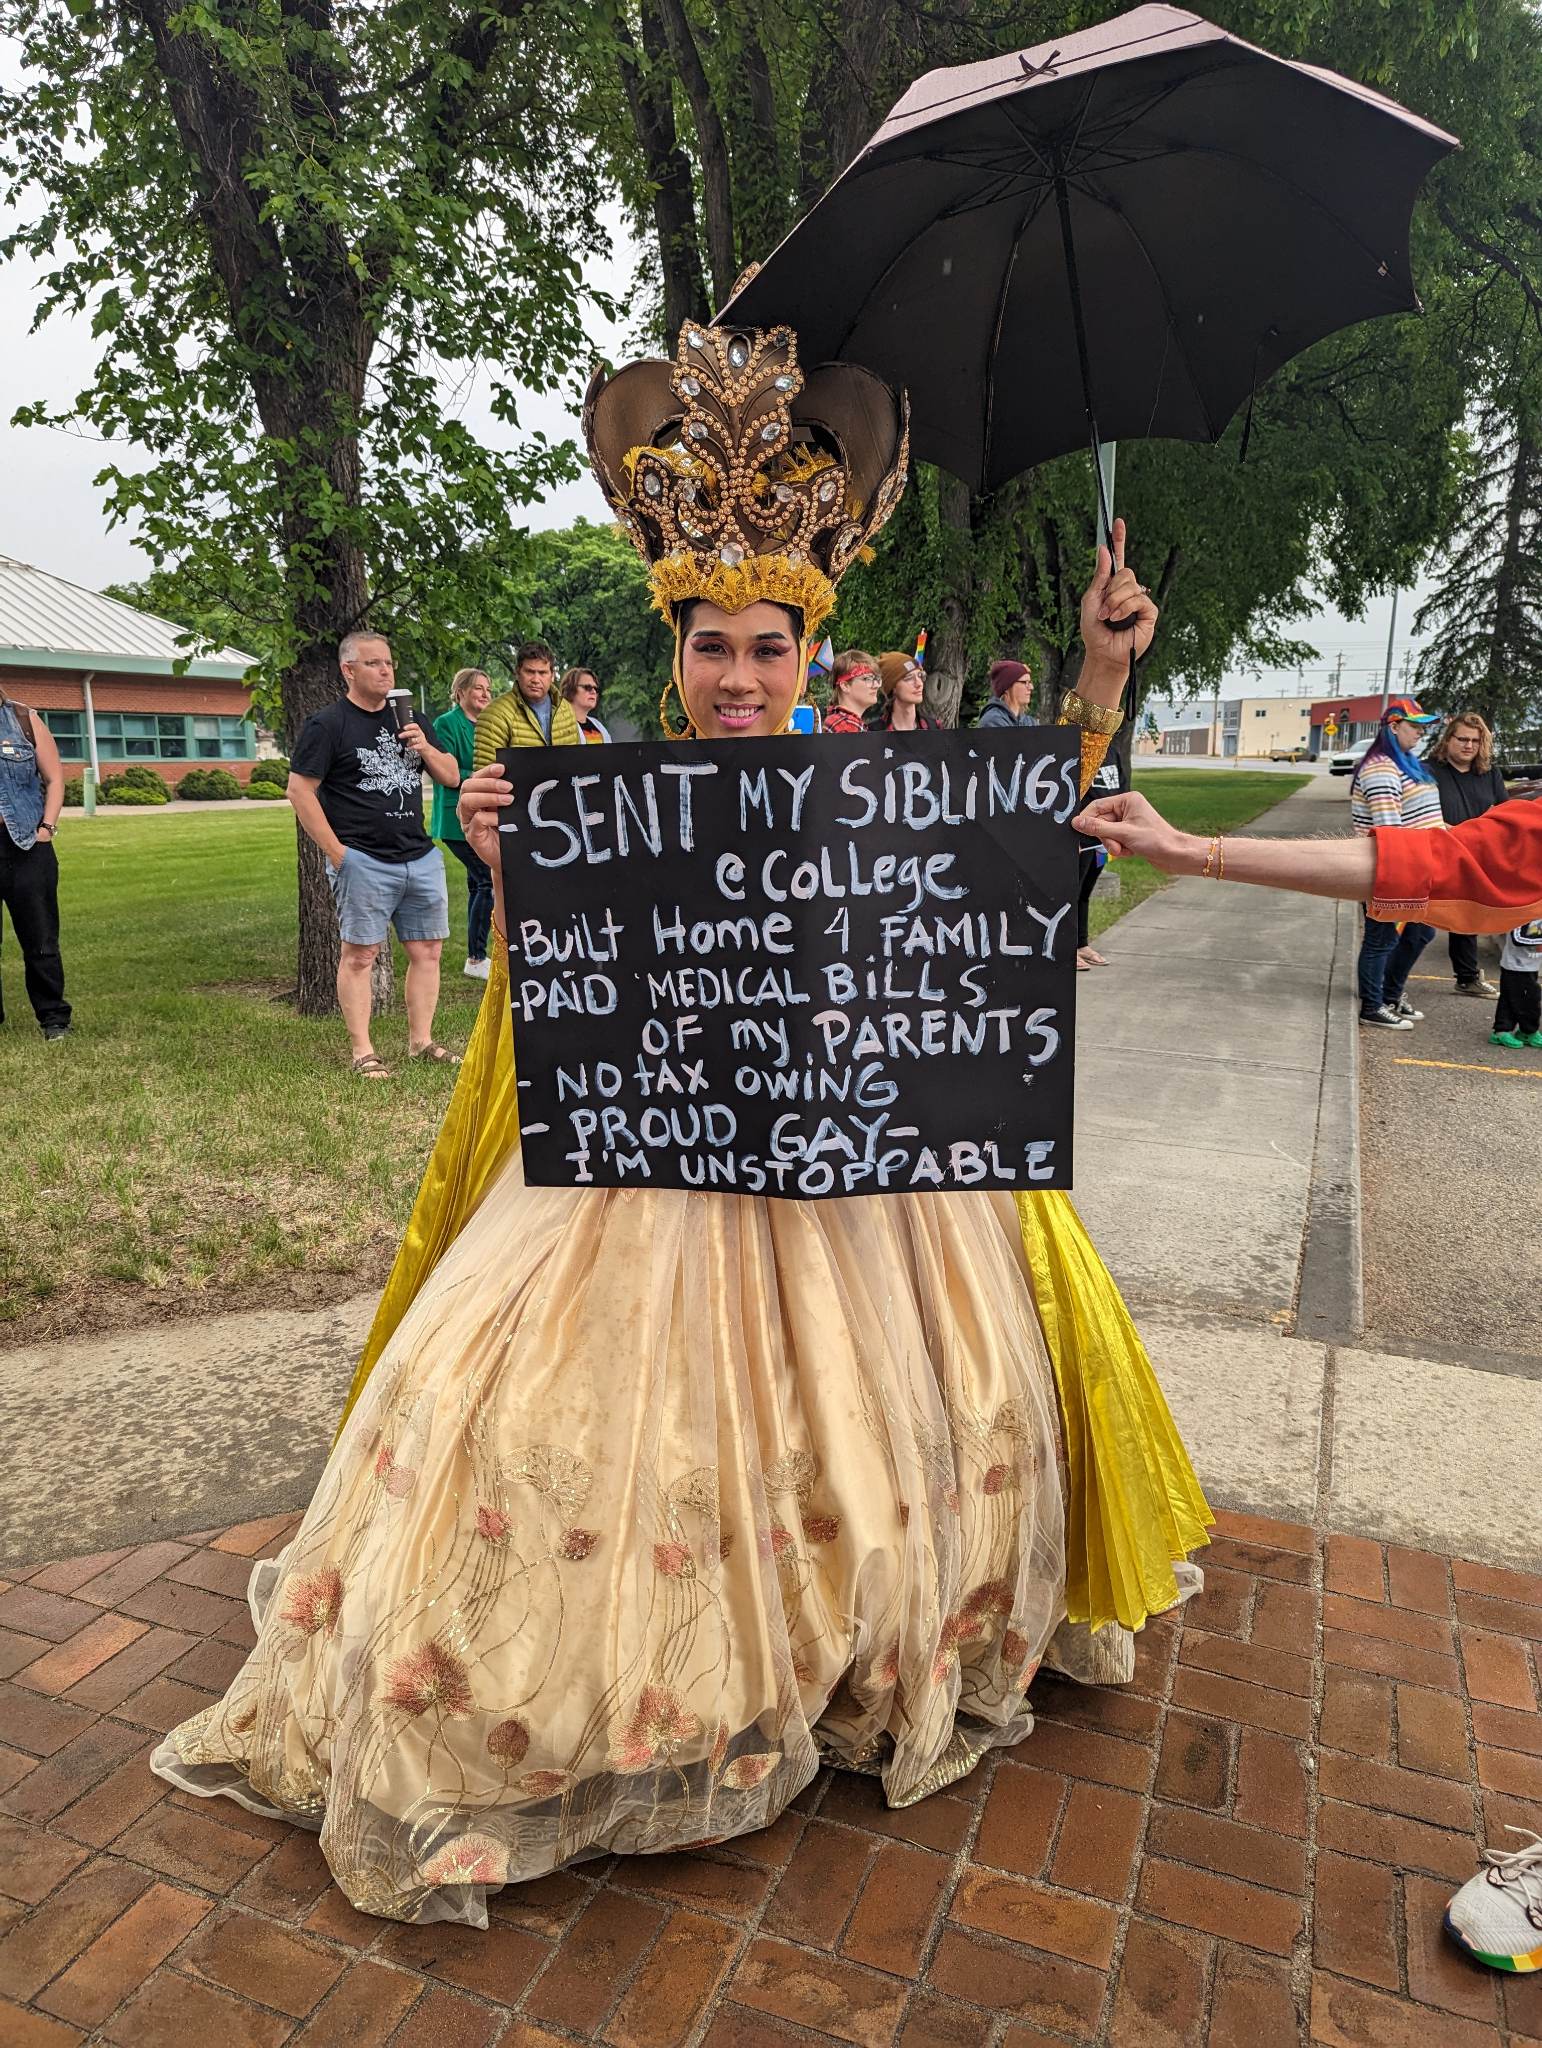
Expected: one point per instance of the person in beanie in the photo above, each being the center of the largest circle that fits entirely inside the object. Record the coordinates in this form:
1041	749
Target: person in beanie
904	685
1011	695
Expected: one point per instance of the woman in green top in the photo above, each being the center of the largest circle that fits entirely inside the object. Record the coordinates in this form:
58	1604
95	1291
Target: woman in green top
470	695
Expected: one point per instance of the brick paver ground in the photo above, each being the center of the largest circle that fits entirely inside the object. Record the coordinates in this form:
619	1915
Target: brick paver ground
1251	1847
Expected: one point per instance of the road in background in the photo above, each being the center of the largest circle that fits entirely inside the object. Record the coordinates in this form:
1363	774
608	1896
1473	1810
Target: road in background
1451	1159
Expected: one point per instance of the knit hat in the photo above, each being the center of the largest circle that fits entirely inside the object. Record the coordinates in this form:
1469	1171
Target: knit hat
1003	674
891	667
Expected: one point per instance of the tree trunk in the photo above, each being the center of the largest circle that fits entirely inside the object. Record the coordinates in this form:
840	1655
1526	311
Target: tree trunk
947	659
711	150
841	109
646	78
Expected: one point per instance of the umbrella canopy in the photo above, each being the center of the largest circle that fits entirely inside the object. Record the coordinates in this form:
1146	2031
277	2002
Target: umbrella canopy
1123	231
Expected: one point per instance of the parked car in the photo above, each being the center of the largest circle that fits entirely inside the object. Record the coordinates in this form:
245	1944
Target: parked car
1347	763
1300	753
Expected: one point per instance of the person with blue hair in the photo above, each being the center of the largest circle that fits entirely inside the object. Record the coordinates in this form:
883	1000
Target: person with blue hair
1392	787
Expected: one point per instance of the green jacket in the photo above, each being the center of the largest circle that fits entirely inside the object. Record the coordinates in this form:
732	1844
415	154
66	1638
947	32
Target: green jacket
457	734
509	722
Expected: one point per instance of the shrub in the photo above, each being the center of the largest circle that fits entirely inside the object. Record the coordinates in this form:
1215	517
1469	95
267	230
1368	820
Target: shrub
271	771
139	777
75	789
265	792
133	793
208	786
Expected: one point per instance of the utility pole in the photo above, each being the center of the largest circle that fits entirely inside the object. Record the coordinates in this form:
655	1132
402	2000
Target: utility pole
1386	677
1338	674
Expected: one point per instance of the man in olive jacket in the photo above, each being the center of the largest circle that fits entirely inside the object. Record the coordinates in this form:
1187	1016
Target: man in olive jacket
528	715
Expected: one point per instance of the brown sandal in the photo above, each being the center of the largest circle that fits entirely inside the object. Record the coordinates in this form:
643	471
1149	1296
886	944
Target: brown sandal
369	1066
436	1055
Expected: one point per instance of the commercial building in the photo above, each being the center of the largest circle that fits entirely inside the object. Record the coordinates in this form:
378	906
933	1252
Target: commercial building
106	680
1352	718
1253	728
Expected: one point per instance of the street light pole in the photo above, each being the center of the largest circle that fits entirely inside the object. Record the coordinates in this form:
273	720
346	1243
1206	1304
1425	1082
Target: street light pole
1386	680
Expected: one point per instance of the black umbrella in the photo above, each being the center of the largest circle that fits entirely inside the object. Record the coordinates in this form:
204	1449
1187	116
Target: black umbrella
1114	236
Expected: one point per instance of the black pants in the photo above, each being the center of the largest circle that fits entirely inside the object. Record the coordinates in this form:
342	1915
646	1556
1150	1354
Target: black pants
29	889
1519	1008
1088	863
1463	948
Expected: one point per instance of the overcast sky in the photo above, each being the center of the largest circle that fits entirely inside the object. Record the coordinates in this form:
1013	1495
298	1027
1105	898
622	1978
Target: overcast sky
51	512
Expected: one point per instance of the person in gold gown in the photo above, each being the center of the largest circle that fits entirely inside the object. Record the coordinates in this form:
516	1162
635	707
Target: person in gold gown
648	1502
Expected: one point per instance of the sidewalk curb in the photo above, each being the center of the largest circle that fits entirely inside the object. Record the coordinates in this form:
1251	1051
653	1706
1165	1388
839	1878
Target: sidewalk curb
1330	1298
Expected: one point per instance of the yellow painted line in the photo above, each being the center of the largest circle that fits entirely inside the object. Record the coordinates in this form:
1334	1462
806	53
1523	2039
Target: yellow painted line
1462	1067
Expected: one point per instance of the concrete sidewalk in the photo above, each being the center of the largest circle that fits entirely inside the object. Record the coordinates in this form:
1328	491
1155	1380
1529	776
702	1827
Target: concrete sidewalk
1217	1168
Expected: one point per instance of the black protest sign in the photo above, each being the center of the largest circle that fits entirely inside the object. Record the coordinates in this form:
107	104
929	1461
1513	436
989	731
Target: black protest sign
799	967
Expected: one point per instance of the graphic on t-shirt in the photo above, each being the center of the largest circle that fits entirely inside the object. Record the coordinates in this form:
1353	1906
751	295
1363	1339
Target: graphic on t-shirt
384	769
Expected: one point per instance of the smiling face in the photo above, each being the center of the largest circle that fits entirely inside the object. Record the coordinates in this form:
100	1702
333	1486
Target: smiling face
475	696
740	672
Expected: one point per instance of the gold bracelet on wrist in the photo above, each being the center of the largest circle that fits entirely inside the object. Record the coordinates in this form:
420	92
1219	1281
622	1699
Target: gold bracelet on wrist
1215	859
1077	710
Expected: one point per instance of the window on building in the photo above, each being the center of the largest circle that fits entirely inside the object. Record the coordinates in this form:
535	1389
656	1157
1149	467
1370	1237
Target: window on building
151	736
217	739
68	729
1262	712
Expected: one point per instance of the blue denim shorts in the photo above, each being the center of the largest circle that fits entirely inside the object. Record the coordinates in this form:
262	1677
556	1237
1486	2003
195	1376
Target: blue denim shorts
371	895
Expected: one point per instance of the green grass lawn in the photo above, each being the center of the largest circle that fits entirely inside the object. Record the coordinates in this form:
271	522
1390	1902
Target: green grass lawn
194	1145
1199	800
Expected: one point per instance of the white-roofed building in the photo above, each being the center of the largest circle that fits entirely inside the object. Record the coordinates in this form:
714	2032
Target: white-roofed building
104	678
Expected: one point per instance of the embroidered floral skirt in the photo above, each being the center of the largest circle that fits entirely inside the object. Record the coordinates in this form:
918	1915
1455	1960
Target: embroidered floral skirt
654	1501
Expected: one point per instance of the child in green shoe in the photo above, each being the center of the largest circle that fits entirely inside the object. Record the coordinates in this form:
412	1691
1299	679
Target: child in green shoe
1518	1013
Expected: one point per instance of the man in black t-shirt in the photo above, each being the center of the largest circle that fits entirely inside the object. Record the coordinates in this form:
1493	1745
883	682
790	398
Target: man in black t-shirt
356	784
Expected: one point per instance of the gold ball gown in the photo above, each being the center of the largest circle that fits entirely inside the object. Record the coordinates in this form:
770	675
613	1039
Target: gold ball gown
648	1502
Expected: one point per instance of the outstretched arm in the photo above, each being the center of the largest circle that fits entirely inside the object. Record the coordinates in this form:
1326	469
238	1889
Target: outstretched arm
1344	868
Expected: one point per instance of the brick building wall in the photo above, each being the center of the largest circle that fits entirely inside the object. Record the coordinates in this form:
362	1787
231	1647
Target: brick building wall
137	719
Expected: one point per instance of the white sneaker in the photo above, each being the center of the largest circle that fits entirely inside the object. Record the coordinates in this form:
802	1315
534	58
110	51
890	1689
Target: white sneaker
1497	1915
478	969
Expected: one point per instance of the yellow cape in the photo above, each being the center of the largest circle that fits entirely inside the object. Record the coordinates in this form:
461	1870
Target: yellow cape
1133	1501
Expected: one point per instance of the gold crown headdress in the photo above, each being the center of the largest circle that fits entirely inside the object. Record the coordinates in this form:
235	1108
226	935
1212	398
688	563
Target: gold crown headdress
738	477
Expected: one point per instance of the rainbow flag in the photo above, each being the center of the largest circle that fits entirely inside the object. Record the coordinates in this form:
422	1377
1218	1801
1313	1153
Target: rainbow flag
920	653
821	661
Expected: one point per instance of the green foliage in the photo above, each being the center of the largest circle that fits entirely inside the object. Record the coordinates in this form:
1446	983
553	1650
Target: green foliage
138	777
133	793
300	235
208	785
74	790
1356	463
585	591
264	792
274	770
